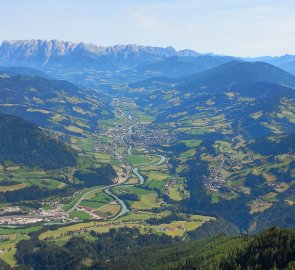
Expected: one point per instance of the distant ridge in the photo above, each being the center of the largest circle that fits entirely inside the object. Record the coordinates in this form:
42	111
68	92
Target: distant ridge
52	54
44	53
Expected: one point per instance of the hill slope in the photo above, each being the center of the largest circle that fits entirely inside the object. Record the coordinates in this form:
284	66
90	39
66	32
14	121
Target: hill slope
180	66
24	71
272	249
24	143
286	62
227	75
58	105
234	90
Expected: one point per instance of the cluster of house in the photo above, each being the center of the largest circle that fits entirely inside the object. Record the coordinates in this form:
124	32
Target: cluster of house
9	210
169	184
146	136
117	139
19	220
215	181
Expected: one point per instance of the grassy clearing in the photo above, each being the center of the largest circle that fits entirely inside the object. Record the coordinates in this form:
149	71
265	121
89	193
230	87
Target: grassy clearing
133	180
259	206
198	131
174	194
86	144
134	190
147	202
132	220
80	215
75	129
109	209
215	198
4	231
45	183
139	160
155	175
191	143
63	230
188	154
155	184
13	187
115	162
9	246
143	215
97	200
105	158
281	187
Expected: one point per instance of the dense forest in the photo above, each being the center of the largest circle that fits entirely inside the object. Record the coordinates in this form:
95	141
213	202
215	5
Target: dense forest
276	146
272	249
91	177
24	143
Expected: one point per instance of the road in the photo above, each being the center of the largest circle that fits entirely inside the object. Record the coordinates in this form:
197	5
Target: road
129	169
107	189
85	195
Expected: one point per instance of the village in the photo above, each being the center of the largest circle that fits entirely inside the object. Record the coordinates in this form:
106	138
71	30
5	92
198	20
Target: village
215	181
147	136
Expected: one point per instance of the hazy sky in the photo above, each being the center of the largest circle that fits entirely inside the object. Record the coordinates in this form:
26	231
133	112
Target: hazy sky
235	27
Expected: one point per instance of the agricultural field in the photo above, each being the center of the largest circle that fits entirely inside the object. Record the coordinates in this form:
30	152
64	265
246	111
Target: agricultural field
20	177
147	202
142	160
134	220
80	215
9	237
8	247
96	200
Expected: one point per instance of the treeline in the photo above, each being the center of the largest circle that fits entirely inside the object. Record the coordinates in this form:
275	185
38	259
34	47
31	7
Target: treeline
33	193
25	143
128	197
212	228
164	220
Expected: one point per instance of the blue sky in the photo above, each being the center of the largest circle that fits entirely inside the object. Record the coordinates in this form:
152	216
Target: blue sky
233	27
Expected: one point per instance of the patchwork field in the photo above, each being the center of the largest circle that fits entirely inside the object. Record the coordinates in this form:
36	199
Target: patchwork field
175	228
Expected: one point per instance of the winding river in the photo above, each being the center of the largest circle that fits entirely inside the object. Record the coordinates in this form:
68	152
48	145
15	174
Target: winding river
124	208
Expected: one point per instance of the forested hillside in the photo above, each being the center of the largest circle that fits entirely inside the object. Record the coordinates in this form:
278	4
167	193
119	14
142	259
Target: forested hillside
24	143
129	249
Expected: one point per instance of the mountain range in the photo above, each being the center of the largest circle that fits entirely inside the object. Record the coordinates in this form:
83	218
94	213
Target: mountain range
286	62
45	54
